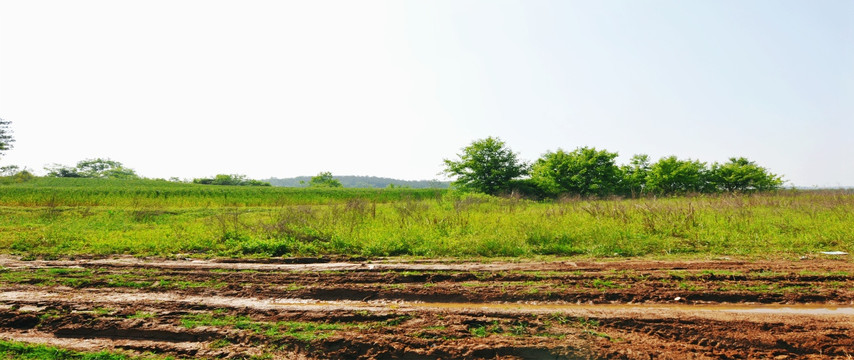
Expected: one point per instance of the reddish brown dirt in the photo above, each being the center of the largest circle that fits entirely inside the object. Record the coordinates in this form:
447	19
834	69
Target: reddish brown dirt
435	310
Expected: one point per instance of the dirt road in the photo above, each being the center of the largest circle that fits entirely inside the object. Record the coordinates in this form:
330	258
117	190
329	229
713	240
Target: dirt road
323	309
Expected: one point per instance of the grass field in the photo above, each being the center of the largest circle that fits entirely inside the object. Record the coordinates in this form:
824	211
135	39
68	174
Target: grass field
66	217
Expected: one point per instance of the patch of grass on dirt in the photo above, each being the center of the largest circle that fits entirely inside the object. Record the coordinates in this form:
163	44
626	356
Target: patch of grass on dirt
294	287
303	331
25	351
101	311
397	320
605	284
729	273
824	273
185	284
683	285
142	315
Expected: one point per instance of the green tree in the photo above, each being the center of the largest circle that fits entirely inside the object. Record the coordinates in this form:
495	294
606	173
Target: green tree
57	170
324	179
671	176
635	174
105	168
742	175
584	171
6	138
485	166
93	168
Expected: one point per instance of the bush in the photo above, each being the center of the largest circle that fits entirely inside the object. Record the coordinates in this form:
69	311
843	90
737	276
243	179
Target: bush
233	180
584	172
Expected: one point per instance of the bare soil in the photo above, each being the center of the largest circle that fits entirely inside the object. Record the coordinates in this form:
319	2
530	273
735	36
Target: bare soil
387	309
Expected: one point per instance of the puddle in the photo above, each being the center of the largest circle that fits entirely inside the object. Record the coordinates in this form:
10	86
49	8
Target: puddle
803	309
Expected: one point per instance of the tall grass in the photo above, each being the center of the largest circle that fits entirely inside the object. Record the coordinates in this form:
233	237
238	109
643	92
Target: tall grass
298	222
142	192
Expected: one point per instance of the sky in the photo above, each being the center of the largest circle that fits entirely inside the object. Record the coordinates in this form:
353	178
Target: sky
187	89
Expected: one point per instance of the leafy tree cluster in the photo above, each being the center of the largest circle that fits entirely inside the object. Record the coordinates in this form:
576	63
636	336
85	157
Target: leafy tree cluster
93	168
233	179
489	166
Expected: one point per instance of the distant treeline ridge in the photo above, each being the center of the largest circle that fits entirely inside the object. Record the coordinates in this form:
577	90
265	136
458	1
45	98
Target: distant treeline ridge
350	181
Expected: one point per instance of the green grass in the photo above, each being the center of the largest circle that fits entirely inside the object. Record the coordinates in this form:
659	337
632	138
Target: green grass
75	192
25	351
141	315
66	217
303	331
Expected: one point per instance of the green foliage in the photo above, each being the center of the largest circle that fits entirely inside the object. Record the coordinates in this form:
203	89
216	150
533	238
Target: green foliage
233	180
486	166
324	180
635	175
584	171
6	138
93	168
742	175
673	176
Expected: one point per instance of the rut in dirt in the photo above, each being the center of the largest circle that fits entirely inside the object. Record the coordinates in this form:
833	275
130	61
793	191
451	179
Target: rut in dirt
434	310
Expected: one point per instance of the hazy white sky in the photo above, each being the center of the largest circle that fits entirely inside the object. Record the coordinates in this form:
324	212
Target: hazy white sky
390	88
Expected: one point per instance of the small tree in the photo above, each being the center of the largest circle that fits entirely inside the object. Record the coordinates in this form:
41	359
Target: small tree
584	171
673	176
324	179
105	168
6	138
485	166
742	175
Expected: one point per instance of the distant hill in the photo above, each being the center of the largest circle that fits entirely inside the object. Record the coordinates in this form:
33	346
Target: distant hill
363	182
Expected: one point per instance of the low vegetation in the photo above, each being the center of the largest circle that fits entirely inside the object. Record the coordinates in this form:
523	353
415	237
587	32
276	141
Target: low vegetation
65	217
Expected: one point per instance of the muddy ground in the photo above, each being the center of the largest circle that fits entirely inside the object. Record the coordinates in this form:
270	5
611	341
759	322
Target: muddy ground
327	309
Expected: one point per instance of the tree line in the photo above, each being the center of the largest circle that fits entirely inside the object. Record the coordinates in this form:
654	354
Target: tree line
489	166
